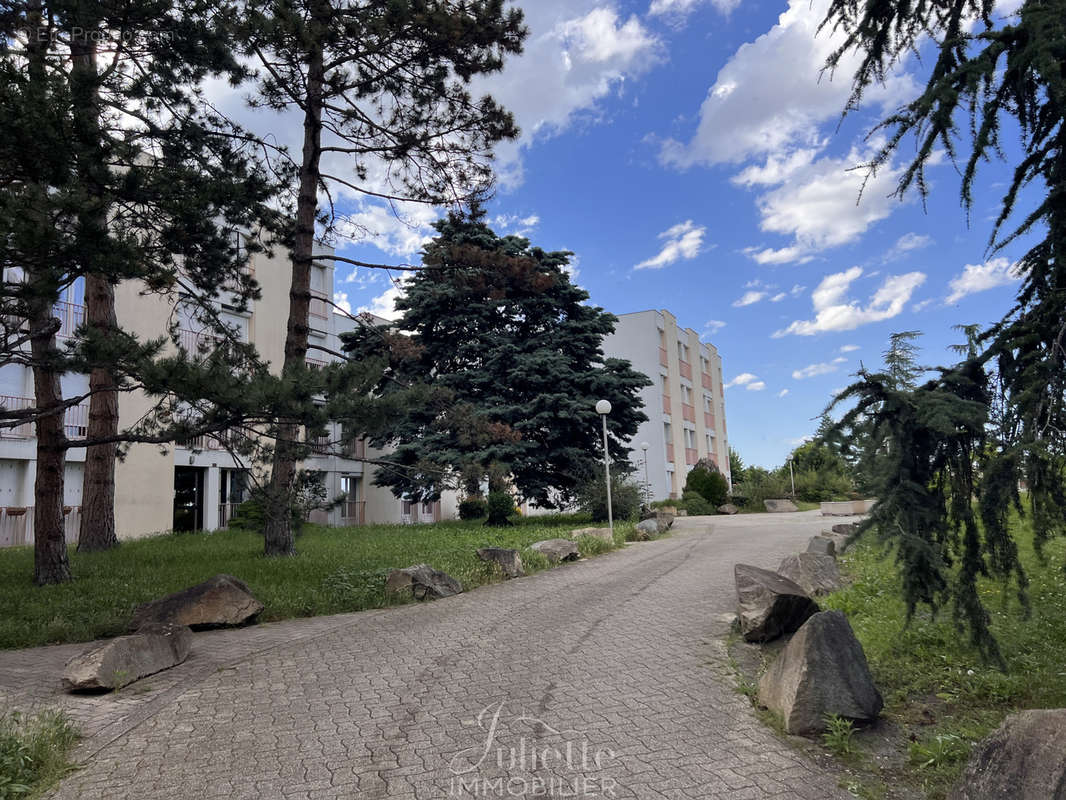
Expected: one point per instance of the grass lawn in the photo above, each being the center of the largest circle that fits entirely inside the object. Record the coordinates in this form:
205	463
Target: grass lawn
336	570
939	698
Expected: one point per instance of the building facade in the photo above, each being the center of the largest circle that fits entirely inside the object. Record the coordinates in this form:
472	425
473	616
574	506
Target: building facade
685	404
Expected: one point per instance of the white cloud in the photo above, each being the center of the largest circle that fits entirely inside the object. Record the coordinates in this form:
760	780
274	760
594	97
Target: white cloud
906	243
341	301
515	225
835	312
812	370
777	298
682	8
748	298
840	360
799	440
743	379
849	348
981	277
755	386
713	326
797	290
682	241
782	393
384	305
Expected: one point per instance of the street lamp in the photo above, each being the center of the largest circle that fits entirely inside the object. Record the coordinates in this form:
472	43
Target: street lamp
647	483
792	476
603	408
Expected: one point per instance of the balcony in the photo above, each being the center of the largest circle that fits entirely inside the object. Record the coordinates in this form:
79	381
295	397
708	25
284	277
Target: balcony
353	512
705	379
688	412
685	369
691	455
314	363
670	453
210	441
16	525
666	404
662	357
319	305
355	449
71	315
75	419
197	342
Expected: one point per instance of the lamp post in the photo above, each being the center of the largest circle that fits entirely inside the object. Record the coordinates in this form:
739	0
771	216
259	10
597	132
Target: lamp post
792	476
647	483
603	408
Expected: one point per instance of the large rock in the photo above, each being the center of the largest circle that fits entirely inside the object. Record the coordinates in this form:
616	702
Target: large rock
821	671
124	659
846	528
556	550
422	582
728	508
769	605
779	506
1025	759
665	520
217	602
647	529
838	508
603	534
509	561
822	545
817	574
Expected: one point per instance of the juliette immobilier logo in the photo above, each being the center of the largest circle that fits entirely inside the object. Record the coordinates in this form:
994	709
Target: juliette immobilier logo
522	756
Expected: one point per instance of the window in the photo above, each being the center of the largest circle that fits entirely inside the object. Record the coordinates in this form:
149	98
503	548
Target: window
690	439
668	432
708	404
682	351
666	385
686	394
710	442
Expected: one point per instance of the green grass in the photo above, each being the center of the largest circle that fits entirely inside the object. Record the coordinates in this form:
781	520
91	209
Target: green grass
936	689
34	752
336	570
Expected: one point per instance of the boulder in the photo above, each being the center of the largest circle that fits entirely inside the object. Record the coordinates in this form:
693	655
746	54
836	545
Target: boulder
603	534
1025	759
769	605
838	508
557	550
422	582
124	659
779	506
839	540
728	508
217	602
665	520
822	546
509	561
647	529
846	528
817	574
821	671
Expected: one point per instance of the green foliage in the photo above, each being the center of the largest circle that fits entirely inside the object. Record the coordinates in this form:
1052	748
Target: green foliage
939	750
338	570
736	466
512	352
33	752
625	499
473	508
696	504
704	479
309	493
814	486
500	508
759	485
837	737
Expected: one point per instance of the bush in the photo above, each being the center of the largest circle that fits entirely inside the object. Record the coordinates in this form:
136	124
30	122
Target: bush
759	485
625	499
696	504
705	480
816	487
473	508
500	507
309	493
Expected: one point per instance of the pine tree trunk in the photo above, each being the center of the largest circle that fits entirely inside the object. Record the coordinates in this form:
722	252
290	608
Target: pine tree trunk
50	563
98	486
278	532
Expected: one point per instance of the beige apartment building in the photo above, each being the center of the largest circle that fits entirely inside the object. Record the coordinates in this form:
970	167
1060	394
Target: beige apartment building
685	404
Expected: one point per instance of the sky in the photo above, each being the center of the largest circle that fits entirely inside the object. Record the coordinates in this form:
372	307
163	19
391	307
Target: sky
692	156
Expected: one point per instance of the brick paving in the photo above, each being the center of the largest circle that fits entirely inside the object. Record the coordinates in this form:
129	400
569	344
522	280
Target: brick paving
604	678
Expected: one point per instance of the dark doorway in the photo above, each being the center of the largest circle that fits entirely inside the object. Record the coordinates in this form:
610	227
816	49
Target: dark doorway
189	498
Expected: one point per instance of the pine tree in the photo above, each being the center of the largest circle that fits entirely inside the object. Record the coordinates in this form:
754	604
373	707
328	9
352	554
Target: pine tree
383	85
494	327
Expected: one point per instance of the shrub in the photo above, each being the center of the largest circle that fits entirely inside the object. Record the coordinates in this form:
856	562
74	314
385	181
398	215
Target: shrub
309	493
816	487
625	499
705	480
696	504
500	507
473	508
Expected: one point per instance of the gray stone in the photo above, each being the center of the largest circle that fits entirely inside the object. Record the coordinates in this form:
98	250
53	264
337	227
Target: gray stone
769	605
817	574
124	659
217	602
603	534
1025	759
728	508
647	529
846	528
822	546
556	550
821	671
509	561
839	540
779	506
838	508
422	582
665	519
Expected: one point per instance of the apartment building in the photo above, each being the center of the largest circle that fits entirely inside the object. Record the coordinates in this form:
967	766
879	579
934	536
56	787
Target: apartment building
685	404
194	485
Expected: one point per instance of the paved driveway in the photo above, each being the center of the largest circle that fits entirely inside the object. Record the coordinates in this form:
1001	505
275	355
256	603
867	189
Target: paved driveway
605	678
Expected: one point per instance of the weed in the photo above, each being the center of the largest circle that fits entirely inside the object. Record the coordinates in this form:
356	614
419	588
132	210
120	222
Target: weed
33	752
837	737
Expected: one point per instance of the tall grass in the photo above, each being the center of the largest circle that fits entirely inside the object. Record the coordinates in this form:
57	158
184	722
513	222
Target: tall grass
33	752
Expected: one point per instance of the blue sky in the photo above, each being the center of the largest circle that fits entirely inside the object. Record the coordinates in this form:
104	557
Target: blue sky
689	154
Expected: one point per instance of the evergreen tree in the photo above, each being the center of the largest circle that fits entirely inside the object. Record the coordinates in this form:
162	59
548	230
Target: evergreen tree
385	87
736	466
512	353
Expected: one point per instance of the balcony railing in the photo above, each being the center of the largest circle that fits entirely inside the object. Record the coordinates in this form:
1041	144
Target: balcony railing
688	412
225	513
666	404
16	525
353	512
705	379
662	356
669	454
691	455
194	342
319	305
685	369
71	315
75	419
355	448
315	363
